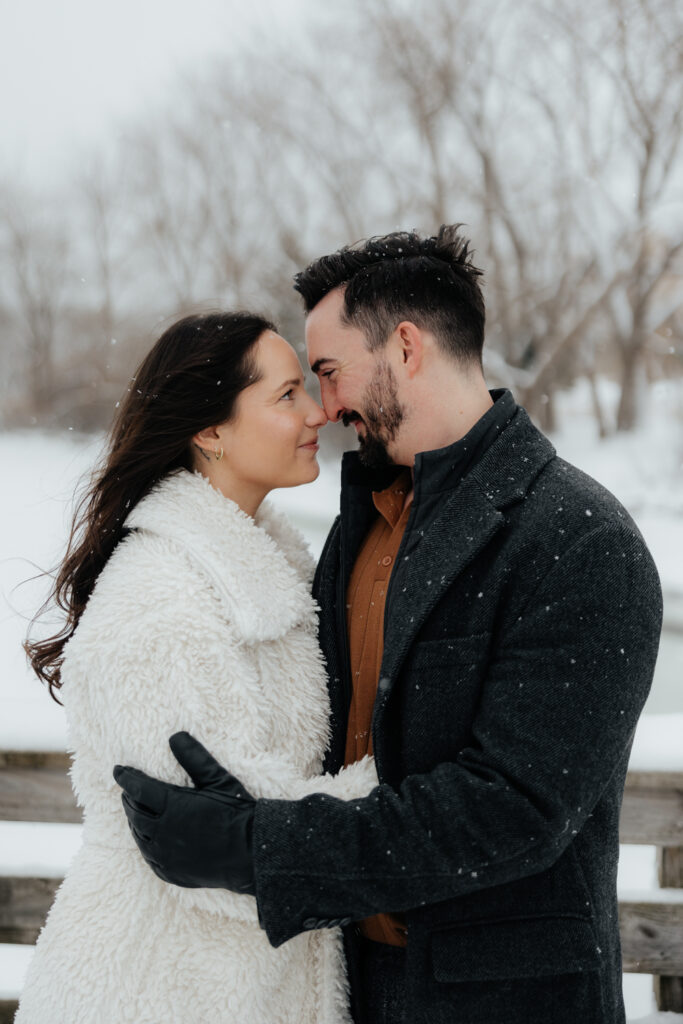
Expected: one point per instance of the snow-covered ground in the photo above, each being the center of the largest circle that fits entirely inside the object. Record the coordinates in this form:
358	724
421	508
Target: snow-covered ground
41	471
644	470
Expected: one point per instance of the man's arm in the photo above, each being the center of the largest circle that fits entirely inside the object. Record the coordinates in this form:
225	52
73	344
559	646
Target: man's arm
555	720
557	714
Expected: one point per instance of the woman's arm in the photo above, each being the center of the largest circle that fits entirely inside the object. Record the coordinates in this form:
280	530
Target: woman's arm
133	681
262	770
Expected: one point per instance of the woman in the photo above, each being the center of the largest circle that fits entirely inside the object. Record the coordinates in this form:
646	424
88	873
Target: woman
189	608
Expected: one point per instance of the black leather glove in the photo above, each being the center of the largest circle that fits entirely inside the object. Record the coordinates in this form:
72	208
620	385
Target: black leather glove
192	837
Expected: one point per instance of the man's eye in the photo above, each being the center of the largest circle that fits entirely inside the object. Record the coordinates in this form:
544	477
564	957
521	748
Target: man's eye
327	373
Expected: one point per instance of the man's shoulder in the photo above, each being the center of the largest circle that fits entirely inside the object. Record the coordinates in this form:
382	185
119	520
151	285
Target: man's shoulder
571	527
563	488
547	484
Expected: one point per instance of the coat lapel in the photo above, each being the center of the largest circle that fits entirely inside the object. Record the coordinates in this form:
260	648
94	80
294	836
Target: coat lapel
467	520
429	563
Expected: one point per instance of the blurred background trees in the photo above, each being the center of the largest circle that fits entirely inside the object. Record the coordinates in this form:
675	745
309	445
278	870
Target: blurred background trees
551	129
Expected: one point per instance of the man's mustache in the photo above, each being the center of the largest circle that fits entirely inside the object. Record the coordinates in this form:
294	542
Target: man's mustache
350	417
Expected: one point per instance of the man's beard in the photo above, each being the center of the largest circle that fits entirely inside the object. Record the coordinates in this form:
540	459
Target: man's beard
382	415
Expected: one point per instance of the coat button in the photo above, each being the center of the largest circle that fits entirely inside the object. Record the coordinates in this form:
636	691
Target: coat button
310	923
387	560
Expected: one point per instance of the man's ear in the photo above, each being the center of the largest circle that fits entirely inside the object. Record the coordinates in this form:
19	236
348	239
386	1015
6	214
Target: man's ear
411	346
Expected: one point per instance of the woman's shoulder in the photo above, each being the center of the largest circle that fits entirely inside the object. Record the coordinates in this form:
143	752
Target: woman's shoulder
148	580
143	622
188	548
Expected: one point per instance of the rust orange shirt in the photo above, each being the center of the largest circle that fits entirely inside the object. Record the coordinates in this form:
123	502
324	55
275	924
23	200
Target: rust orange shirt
365	602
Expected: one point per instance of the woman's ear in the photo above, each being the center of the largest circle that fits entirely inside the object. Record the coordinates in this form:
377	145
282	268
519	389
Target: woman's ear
207	440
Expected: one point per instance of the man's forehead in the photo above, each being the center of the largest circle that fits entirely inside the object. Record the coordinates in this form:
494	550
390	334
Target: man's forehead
325	345
328	340
325	351
326	315
330	304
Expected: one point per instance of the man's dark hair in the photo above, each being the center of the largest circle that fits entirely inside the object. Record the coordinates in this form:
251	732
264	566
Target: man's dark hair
402	276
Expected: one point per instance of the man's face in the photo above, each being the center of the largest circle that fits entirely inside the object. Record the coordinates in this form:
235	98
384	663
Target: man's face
356	386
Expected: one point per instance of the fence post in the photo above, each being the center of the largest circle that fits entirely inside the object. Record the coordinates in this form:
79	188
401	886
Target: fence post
669	990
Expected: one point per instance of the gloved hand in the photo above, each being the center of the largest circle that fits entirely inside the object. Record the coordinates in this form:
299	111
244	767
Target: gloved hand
192	837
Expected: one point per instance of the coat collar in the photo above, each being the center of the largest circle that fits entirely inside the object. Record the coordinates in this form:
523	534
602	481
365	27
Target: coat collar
438	547
441	470
516	453
510	465
260	567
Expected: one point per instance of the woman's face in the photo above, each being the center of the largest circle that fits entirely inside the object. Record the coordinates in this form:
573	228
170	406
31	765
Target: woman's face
272	440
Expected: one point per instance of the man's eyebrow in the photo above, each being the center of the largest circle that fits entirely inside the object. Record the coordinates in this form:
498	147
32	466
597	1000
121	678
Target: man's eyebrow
319	362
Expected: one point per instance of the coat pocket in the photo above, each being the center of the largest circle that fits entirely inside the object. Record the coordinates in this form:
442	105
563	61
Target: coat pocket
521	948
439	692
452	650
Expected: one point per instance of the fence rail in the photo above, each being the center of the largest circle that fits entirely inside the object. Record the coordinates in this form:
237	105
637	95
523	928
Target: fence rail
34	786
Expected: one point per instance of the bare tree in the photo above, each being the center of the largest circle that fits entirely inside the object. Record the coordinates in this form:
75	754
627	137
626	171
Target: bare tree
170	222
37	250
500	111
649	82
552	131
632	127
101	212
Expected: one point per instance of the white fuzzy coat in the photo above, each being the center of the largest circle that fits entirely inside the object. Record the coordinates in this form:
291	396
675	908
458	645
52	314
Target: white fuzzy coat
201	620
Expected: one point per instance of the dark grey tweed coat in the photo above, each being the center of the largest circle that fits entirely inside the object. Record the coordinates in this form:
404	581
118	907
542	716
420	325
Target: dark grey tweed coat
521	632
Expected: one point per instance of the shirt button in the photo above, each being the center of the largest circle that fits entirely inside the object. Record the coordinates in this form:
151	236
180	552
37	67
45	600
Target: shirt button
387	560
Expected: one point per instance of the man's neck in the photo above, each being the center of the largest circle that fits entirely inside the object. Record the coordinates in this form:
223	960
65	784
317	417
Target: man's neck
443	431
445	467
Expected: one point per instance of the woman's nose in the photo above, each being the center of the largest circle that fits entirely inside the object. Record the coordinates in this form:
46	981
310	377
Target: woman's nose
316	417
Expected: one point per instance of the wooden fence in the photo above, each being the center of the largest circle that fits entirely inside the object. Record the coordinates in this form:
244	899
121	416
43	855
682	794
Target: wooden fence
652	928
35	787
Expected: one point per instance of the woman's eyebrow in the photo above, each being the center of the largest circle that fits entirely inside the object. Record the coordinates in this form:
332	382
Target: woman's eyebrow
289	383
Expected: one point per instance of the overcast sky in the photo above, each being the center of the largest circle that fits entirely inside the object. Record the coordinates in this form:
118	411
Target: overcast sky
70	69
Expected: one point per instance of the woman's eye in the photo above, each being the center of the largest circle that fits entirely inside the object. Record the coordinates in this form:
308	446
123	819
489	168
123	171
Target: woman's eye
288	394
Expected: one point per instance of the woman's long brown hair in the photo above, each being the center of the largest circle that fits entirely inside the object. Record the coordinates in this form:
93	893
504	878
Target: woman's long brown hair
190	380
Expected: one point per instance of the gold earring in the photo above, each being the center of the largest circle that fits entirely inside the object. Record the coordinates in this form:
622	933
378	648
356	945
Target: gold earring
219	455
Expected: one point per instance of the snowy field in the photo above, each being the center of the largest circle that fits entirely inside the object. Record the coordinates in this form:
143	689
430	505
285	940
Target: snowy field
643	470
41	472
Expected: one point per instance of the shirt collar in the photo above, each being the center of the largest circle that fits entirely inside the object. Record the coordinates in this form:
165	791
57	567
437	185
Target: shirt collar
391	501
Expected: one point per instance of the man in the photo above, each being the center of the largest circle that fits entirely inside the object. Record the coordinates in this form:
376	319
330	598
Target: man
490	618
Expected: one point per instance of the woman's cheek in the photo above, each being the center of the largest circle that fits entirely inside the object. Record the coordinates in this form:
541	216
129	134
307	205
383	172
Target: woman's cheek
289	429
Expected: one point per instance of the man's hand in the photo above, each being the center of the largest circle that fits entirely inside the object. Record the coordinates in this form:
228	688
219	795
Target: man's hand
192	837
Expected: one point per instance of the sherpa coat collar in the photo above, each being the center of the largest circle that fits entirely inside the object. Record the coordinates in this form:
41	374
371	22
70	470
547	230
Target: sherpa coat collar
267	591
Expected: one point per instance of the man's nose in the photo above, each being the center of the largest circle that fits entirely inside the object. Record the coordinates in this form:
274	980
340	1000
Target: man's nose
333	408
